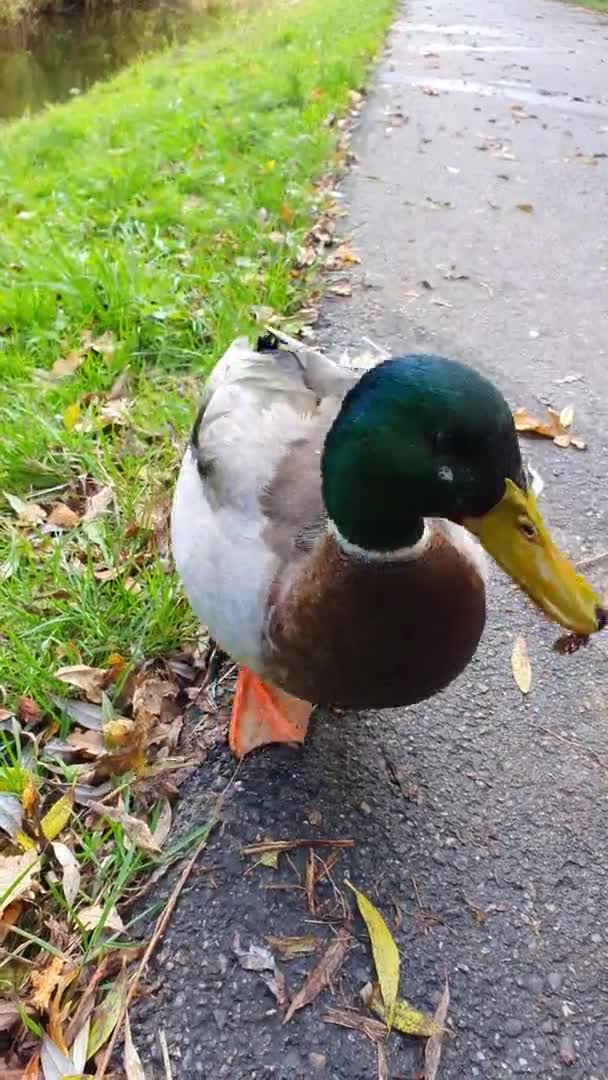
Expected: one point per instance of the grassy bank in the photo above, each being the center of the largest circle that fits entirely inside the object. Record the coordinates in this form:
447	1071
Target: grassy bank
143	226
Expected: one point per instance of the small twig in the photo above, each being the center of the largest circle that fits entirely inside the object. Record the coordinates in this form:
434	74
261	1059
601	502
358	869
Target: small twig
159	930
289	845
582	749
162	1038
591	561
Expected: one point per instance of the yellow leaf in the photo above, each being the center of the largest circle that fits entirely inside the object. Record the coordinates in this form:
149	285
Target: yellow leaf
406	1018
25	842
270	858
44	983
57	817
29	797
384	949
71	416
520	665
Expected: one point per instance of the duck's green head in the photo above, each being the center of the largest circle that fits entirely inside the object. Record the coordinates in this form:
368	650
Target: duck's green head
421	437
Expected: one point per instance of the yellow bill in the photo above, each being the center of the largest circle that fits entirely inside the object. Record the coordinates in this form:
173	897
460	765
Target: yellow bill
513	533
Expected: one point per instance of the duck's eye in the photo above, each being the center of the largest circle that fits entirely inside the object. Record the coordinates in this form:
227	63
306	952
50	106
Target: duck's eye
527	528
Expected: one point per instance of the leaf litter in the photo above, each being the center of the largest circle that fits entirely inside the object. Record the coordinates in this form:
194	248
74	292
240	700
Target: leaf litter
62	913
520	665
555	425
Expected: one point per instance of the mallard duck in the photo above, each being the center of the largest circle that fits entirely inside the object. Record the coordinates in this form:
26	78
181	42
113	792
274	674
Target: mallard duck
329	528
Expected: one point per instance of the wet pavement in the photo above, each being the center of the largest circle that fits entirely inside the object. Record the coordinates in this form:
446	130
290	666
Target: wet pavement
479	818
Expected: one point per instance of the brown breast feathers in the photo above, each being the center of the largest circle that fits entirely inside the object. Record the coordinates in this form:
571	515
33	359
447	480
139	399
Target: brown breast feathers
368	634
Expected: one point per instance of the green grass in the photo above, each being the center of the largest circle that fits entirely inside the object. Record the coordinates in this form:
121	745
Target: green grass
143	226
149	208
596	5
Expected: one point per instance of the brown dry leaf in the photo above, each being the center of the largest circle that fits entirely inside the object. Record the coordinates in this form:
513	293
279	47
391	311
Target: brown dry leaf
104	344
87	742
135	829
71	871
551	427
98	503
343	288
64	517
28	711
382	1062
9	917
27	513
290	947
406	1017
432	1050
151	692
44	983
116	412
350	1018
520	665
133	1066
570	643
17	874
67	365
89	679
322	973
91	917
525	207
341	257
163	825
257	958
119	731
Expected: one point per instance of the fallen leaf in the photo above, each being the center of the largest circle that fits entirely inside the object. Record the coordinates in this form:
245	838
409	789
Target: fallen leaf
82	712
520	665
385	952
382	1062
11	815
78	1050
343	288
28	711
92	680
45	982
566	416
570	643
94	916
163	825
9	917
87	742
270	859
28	513
151	692
55	1065
71	416
57	817
104	344
98	504
116	412
406	1018
349	1018
549	428
290	947
257	958
525	207
322	973
341	257
71	871
16	876
430	91
105	1016
133	1066
137	831
432	1050
64	517
67	365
